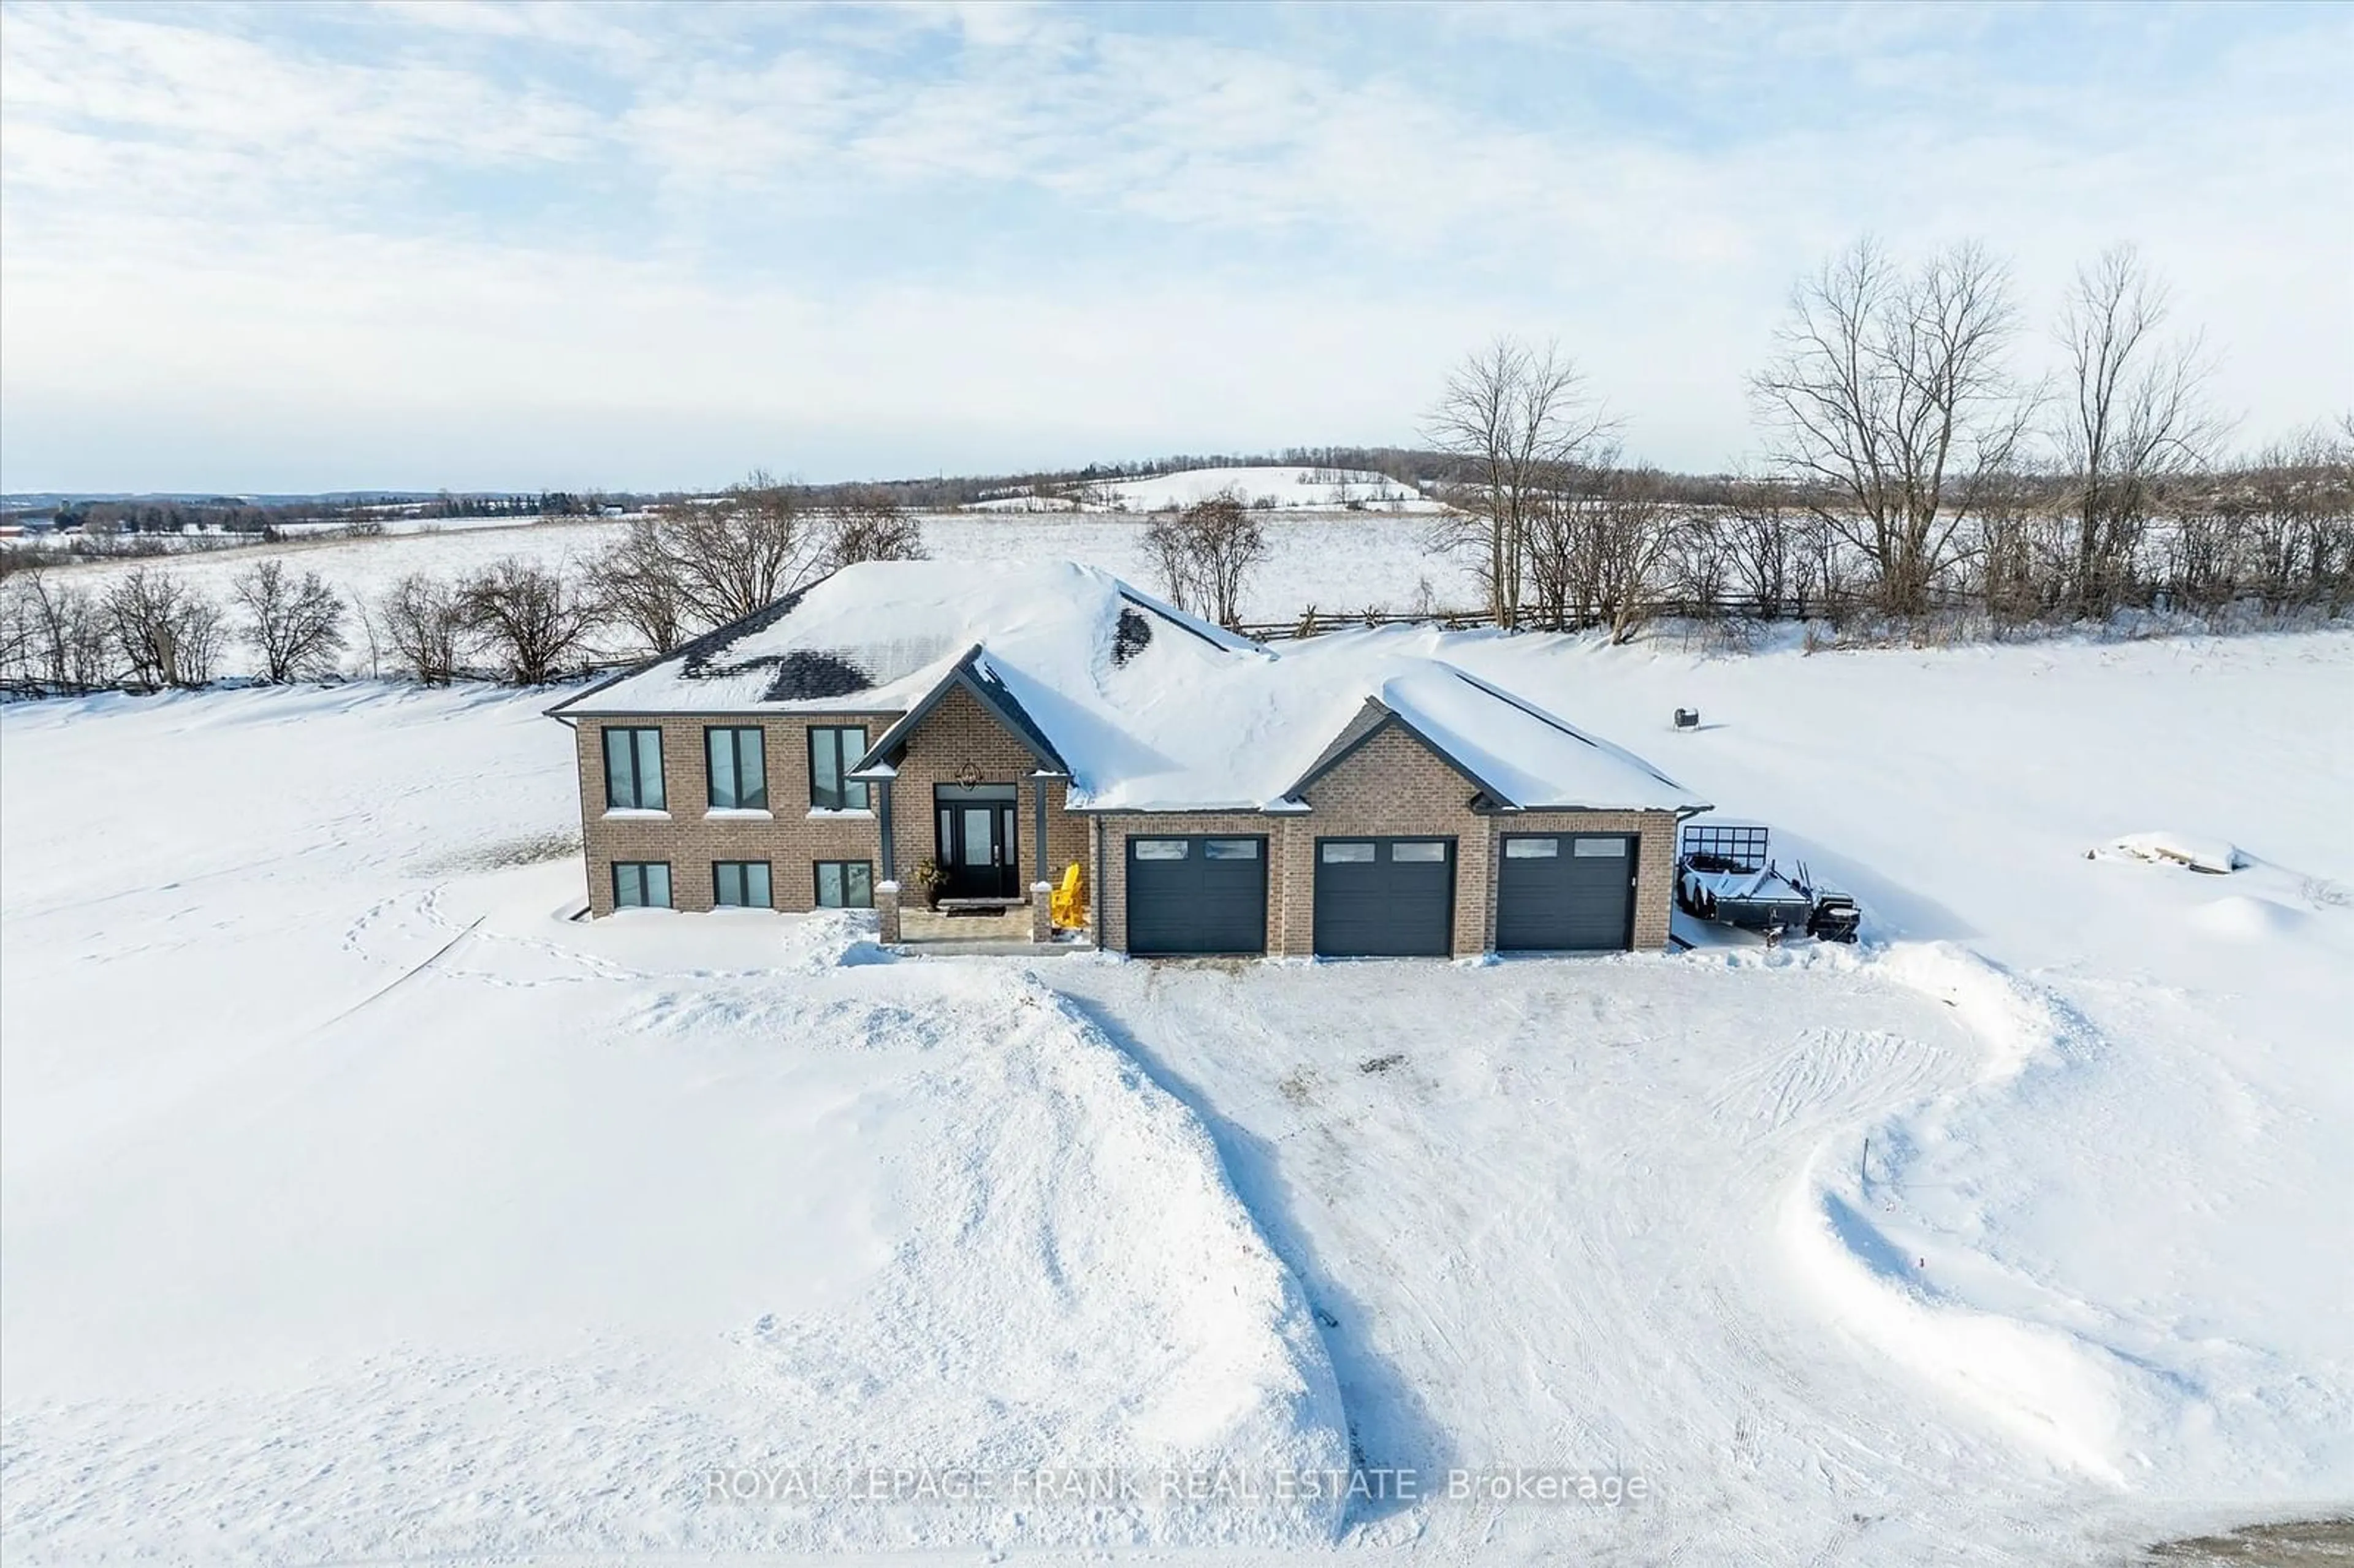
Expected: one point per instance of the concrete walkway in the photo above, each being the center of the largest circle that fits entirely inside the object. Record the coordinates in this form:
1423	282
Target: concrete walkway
934	934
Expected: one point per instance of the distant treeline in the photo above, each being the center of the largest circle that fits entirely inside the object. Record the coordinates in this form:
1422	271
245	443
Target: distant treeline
237	514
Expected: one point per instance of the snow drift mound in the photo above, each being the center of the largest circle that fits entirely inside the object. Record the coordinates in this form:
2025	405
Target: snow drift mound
1918	1246
2242	917
1084	1292
579	1244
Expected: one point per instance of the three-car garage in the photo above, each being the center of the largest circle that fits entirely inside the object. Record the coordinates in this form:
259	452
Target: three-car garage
1378	895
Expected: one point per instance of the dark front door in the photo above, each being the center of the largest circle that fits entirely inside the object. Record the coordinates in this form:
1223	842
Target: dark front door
1566	892
977	846
1384	899
1196	894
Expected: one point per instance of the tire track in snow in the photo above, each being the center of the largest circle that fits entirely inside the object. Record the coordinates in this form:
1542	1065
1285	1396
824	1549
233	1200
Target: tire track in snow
1548	1234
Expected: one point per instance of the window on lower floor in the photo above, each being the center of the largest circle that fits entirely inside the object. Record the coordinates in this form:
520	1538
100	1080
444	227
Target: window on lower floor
741	884
642	884
1422	850
1162	849
1609	849
739	766
845	885
1531	849
634	770
1345	854
1230	848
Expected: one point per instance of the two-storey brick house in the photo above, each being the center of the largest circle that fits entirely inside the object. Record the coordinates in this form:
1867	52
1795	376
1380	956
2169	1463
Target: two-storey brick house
1347	797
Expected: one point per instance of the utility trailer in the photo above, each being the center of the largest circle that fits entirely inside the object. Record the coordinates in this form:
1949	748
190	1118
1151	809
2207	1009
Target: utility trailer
1726	874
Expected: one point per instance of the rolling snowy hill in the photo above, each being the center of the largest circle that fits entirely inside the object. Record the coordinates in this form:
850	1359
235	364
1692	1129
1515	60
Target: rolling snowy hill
1273	487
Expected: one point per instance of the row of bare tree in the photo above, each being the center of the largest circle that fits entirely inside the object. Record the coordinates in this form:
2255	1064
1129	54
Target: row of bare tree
684	569
1909	468
149	627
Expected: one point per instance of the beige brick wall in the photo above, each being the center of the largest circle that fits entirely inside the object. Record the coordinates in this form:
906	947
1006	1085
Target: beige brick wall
1392	786
958	734
790	839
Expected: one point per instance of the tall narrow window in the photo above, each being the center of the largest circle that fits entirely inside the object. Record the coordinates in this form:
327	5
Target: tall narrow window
634	770
834	750
845	885
642	884
741	884
738	764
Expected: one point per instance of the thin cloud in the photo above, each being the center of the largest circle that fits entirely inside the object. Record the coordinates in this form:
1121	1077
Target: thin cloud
917	217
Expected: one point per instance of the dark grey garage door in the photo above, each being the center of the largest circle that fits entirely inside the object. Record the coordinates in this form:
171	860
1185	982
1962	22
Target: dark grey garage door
1384	899
1562	892
1196	894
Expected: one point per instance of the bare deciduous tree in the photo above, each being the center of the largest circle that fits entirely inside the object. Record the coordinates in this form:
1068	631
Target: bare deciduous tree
635	582
164	632
65	641
1206	553
2136	418
527	615
1632	537
1171	552
742	551
425	620
871	526
1519	417
1230	545
297	627
1601	542
1890	402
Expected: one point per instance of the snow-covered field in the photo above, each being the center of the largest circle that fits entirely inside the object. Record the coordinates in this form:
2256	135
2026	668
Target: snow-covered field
1339	565
321	1240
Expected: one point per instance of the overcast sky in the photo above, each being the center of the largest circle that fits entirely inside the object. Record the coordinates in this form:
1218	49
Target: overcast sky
268	247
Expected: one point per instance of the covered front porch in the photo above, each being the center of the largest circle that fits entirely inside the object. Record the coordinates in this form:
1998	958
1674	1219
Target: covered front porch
978	853
980	928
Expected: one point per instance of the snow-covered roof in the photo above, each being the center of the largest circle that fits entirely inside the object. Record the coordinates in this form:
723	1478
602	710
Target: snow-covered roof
1520	756
1145	707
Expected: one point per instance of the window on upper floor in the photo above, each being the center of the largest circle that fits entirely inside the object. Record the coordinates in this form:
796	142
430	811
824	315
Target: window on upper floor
634	770
737	762
834	750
